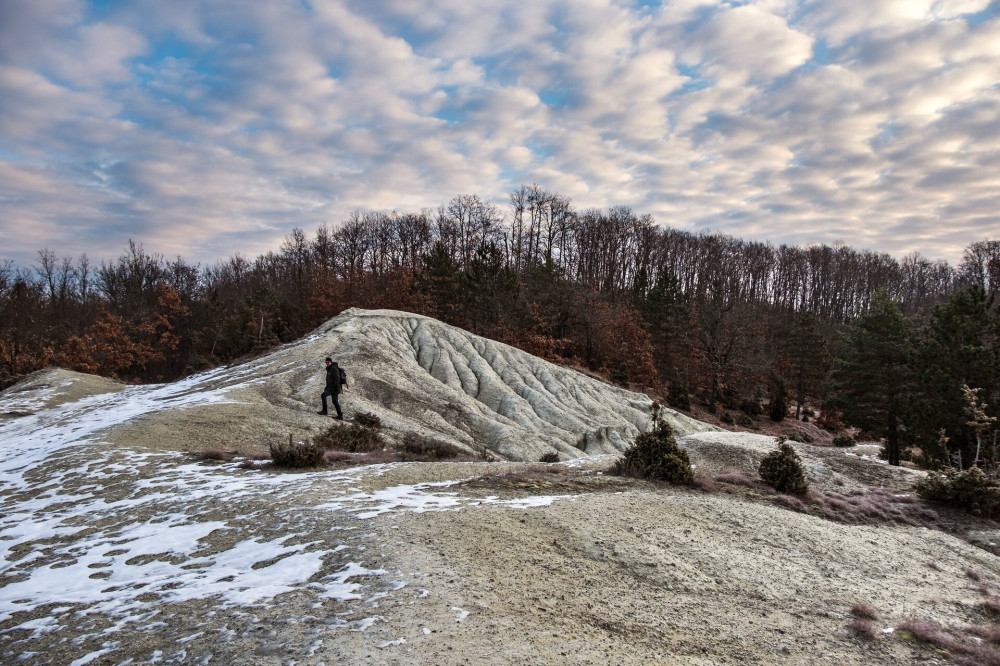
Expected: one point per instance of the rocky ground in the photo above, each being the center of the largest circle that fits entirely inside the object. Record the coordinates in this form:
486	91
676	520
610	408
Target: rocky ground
458	563
117	546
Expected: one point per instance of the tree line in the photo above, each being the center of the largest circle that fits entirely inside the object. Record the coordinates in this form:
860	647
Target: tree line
726	323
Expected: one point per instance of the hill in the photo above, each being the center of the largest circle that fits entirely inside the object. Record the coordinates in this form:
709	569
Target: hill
117	547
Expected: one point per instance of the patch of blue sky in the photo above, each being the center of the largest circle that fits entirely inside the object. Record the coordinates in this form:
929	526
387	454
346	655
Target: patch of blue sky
717	122
704	13
399	23
978	18
140	120
172	54
450	115
99	9
171	47
648	5
539	150
511	175
820	55
695	81
498	70
12	156
556	99
887	132
335	71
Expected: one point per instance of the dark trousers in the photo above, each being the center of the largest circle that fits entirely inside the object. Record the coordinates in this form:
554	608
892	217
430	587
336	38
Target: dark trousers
336	401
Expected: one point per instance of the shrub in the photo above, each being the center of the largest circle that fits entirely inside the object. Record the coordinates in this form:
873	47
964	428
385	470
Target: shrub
297	454
970	491
778	408
751	407
744	421
216	454
678	397
844	440
737	478
782	470
864	629
353	438
991	606
864	611
728	418
419	448
829	420
550	457
368	420
655	455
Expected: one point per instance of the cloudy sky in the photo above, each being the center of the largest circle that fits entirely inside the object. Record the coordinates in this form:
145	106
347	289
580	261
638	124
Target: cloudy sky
209	127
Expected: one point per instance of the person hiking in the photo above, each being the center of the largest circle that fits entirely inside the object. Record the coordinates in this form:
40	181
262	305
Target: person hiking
333	388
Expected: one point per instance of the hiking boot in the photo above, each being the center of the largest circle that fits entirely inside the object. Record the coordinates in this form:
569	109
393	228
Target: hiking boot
322	412
339	418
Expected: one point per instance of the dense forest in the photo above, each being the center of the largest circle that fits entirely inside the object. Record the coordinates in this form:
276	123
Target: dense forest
904	350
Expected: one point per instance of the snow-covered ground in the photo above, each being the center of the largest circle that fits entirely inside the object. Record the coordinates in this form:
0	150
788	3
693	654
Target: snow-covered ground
96	538
116	548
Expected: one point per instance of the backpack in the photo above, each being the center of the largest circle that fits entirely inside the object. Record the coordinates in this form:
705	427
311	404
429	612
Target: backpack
343	376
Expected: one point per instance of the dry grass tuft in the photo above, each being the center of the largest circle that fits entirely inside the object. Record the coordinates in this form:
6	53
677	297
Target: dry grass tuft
417	448
864	611
704	481
736	478
353	438
368	420
991	606
864	629
966	647
216	454
297	455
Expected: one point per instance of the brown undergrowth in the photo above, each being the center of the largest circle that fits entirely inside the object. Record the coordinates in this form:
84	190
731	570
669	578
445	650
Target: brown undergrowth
857	507
970	645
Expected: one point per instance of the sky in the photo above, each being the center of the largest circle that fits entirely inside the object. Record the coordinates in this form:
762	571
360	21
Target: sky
203	128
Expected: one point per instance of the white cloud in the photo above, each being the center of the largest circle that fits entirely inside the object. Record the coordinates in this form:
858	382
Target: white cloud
746	43
217	125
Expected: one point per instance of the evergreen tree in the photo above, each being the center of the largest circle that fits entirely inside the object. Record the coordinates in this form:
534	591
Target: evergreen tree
438	281
874	382
489	290
808	359
961	347
667	317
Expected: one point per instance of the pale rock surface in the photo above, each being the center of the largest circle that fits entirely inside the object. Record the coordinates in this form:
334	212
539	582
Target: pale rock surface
418	375
117	549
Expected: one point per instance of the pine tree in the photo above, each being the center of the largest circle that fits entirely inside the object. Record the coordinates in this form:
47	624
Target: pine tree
961	347
438	281
808	358
874	381
489	291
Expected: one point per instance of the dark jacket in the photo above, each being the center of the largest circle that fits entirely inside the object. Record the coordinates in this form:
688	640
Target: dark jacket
333	379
